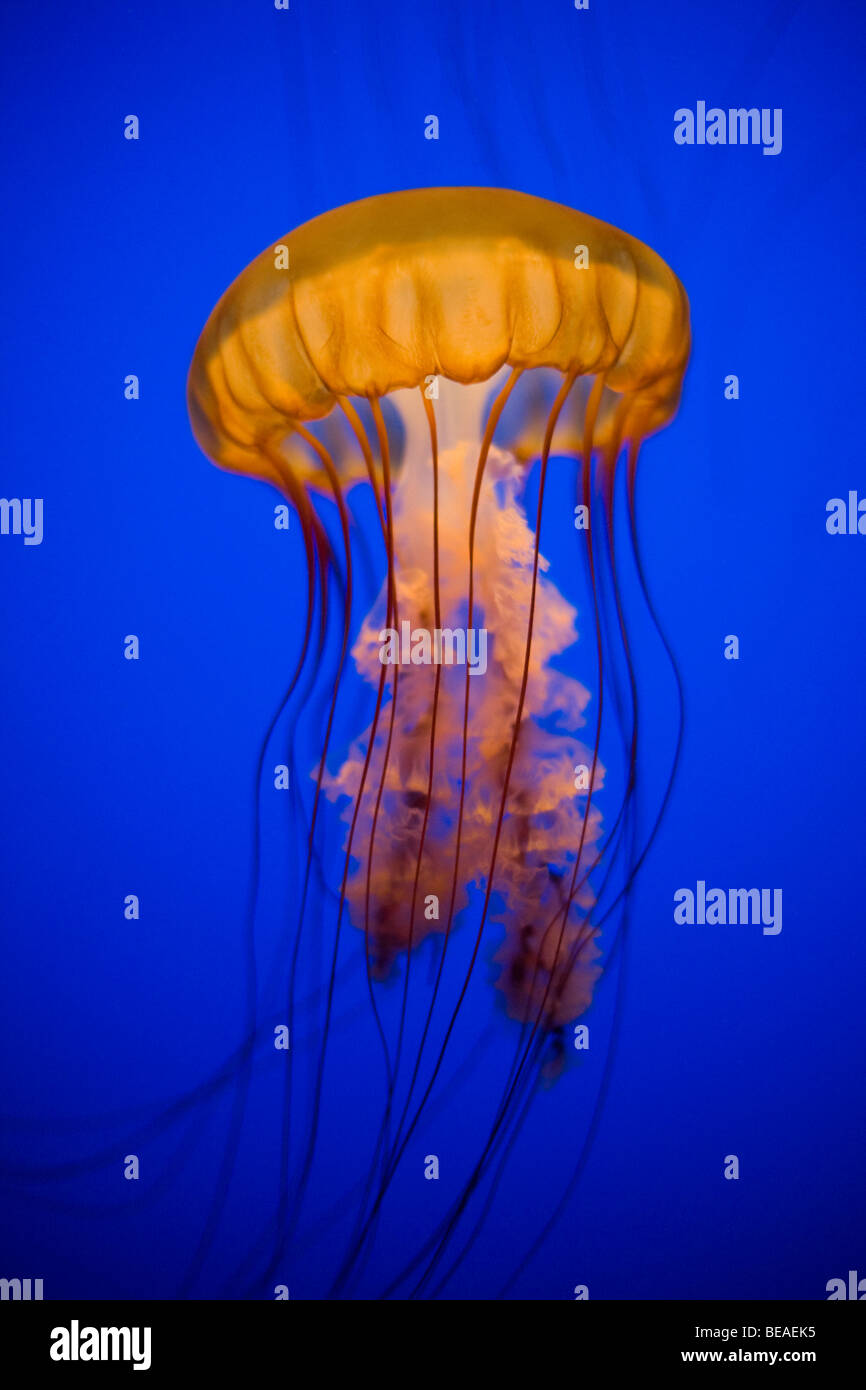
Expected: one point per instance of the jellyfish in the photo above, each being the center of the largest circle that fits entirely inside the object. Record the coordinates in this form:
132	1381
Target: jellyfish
419	356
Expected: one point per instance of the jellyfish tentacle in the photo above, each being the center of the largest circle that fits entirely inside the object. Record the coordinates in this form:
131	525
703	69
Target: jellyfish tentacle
494	416
378	495
608	462
590	418
507	1145
381	1147
586	1147
383	443
633	450
295	493
392	619
435	1247
607	466
437	680
398	1147
284	1216
385	454
556	409
495	413
634	447
367	453
524	1046
431	756
612	453
514	1079
632	457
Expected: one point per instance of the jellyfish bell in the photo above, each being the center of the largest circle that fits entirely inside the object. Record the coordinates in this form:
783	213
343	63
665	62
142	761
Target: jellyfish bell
384	293
498	329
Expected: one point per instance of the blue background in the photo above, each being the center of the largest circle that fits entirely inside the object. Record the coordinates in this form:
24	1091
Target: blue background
125	777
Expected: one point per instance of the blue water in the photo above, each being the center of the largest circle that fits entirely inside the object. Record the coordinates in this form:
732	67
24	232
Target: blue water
138	777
